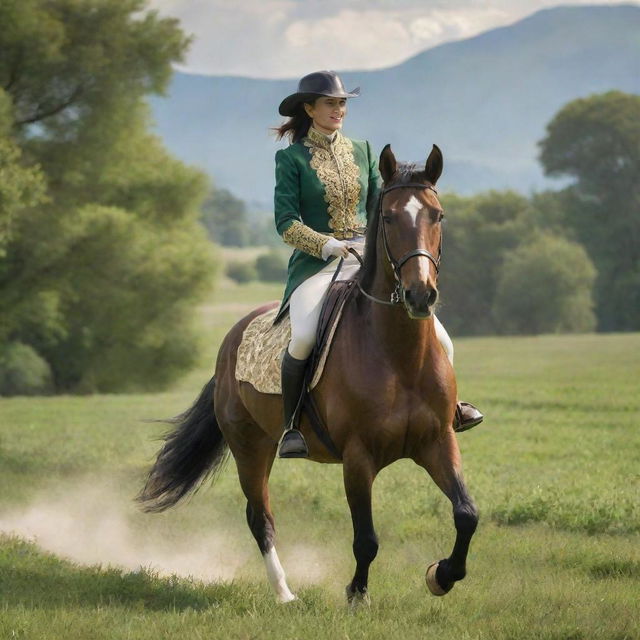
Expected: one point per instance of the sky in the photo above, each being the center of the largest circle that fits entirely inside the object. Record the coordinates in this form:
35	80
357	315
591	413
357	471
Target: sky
290	38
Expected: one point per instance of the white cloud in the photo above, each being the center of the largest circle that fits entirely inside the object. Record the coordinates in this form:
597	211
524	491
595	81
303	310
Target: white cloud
289	38
348	39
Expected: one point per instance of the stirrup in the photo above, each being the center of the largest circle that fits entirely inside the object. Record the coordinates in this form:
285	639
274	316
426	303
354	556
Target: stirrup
293	445
467	417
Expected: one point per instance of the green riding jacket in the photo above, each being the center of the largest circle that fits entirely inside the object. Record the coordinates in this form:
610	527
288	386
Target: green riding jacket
325	186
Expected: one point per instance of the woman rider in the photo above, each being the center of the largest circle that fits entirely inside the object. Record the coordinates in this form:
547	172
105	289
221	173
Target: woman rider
326	187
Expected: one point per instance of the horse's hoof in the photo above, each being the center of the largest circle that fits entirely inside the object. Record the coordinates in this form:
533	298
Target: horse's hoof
357	599
287	597
432	582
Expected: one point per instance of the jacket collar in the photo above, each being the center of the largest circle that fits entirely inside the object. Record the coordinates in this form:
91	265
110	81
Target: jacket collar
322	139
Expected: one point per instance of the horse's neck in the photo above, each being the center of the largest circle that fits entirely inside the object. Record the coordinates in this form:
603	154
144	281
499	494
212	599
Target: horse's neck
408	343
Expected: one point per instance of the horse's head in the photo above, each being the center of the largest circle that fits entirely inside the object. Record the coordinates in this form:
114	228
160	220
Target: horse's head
409	229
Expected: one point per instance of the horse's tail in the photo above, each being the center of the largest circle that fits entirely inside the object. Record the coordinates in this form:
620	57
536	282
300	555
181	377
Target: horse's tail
192	452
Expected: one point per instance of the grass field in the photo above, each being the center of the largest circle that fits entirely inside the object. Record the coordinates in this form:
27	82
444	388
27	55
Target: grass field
555	471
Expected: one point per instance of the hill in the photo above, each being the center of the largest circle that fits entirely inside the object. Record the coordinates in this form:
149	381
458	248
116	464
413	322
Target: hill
485	101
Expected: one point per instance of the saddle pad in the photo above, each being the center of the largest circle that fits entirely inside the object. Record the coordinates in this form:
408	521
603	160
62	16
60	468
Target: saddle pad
261	349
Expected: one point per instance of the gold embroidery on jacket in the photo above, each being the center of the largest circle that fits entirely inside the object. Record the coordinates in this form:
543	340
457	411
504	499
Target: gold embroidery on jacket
337	170
305	239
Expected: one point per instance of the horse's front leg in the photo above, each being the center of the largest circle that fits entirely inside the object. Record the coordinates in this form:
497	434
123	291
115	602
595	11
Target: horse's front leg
441	459
359	473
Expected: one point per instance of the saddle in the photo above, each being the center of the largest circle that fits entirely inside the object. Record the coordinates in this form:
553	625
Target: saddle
263	341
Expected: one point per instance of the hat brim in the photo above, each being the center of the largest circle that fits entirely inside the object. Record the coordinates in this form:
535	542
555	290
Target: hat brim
288	105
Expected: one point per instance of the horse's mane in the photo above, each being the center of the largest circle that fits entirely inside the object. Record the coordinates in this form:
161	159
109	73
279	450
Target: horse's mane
405	172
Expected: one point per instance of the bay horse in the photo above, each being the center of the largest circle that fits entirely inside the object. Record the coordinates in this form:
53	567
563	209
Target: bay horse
387	392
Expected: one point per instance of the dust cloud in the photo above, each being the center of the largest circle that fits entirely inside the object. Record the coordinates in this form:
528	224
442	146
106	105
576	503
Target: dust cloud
89	523
94	525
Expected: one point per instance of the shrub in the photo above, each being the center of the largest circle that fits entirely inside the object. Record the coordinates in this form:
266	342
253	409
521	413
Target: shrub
23	372
271	267
545	286
241	272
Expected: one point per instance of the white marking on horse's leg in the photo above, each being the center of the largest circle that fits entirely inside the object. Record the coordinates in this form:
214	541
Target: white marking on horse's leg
413	207
276	576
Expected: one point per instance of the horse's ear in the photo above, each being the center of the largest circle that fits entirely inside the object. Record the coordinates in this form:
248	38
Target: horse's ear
387	164
434	165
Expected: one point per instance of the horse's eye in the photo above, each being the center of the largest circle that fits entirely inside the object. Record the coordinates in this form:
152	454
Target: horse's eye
387	219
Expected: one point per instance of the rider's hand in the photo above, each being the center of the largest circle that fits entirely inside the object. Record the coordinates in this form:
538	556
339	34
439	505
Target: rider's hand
334	247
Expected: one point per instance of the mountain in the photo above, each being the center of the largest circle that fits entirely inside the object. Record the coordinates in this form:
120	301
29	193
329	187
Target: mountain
485	101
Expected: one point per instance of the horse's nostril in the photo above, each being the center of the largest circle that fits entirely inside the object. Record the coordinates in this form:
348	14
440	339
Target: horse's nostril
433	296
408	296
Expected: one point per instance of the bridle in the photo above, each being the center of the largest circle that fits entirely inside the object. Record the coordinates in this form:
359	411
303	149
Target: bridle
397	296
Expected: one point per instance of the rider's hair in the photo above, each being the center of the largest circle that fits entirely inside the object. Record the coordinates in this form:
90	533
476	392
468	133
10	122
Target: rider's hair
297	126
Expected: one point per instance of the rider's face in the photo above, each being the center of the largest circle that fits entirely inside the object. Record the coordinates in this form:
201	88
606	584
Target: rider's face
327	113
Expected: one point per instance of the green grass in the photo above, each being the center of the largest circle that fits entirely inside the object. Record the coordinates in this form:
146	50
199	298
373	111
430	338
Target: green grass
555	471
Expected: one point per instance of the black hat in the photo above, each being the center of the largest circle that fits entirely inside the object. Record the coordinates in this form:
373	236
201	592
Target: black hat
319	83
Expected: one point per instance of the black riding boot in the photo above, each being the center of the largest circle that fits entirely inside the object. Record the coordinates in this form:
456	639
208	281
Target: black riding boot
292	444
467	416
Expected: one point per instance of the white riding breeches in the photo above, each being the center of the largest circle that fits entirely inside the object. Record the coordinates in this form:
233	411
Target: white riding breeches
306	301
443	338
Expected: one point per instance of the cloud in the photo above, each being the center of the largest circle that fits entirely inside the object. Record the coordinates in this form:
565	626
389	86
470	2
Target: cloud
289	38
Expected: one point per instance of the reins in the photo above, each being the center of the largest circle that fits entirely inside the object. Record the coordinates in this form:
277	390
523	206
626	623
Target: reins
397	293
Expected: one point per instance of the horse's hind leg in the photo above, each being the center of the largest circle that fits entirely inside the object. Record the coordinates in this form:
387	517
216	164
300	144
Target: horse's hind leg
442	461
359	474
254	458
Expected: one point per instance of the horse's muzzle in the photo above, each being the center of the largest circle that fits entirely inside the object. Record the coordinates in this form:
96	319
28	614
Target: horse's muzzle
419	301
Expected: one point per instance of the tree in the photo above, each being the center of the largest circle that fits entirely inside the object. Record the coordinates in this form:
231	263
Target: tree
66	60
101	278
20	187
596	141
225	218
477	234
545	286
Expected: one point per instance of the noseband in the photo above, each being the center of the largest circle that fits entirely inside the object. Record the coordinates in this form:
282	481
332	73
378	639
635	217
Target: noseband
398	293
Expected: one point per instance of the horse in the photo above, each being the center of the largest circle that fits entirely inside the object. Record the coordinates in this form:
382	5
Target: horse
387	392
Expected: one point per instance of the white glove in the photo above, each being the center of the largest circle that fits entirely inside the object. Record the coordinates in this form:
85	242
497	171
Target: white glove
334	247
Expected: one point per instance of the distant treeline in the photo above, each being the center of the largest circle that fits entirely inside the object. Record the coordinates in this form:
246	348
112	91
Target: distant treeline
559	261
102	251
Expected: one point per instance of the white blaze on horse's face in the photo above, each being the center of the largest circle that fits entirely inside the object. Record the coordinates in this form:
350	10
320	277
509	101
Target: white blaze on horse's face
413	207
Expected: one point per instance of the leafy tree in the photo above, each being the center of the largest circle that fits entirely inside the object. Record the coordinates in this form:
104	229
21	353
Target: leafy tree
478	233
596	141
545	286
100	279
263	231
20	186
225	218
66	60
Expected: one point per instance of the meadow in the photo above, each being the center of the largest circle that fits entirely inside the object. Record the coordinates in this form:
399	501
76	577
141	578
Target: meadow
554	470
